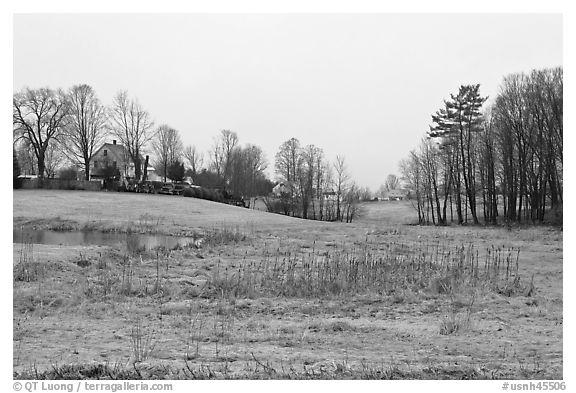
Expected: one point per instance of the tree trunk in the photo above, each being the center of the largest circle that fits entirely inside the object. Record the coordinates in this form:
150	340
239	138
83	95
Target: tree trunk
41	165
86	168
137	168
145	176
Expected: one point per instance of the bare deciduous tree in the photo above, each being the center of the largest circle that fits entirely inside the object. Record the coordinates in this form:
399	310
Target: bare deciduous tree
341	183
167	147
131	124
38	117
351	208
222	154
195	158
54	159
86	127
256	163
248	166
410	169
392	182
364	194
26	158
287	160
287	167
306	177
323	185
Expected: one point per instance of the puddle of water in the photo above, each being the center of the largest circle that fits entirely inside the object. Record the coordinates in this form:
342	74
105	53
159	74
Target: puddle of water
91	238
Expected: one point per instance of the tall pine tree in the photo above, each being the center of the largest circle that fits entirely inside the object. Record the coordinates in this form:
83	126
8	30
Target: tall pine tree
457	126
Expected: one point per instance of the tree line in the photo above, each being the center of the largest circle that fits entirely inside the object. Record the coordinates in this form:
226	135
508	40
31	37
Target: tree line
505	160
311	187
55	131
55	127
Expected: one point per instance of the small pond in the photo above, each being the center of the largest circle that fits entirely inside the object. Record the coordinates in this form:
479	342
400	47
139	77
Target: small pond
92	238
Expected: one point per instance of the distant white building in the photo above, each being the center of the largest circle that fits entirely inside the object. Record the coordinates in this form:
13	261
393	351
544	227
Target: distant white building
396	195
152	175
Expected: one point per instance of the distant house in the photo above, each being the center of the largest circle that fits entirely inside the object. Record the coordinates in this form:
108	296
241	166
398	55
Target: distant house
111	155
116	156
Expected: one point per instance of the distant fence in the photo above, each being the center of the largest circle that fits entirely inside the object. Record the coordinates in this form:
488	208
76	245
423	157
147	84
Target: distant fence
60	184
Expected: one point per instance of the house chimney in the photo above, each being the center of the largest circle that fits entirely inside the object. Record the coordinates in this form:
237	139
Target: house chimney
113	141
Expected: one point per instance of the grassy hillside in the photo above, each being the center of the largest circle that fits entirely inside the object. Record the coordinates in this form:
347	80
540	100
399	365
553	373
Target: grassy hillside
106	210
268	296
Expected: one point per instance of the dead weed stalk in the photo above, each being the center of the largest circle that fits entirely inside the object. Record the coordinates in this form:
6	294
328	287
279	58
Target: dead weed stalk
371	268
143	342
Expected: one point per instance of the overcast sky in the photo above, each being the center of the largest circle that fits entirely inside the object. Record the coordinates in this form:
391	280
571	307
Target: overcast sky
360	85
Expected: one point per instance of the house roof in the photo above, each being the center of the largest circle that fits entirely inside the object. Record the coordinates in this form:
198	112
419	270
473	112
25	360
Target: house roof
116	150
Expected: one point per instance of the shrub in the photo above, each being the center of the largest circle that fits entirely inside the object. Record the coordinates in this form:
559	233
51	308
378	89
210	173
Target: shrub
210	195
176	171
219	196
189	192
68	173
205	193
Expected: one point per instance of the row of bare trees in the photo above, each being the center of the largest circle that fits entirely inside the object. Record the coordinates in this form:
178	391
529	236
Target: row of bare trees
240	170
503	161
313	187
527	122
52	126
74	124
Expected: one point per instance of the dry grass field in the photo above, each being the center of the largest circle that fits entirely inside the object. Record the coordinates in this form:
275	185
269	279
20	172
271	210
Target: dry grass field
266	296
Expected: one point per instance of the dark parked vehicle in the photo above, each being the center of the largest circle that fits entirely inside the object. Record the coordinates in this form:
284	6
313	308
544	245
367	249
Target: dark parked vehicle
147	187
167	188
180	187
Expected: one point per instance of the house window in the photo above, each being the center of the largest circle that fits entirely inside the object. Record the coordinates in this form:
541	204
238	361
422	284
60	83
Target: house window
105	153
114	164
